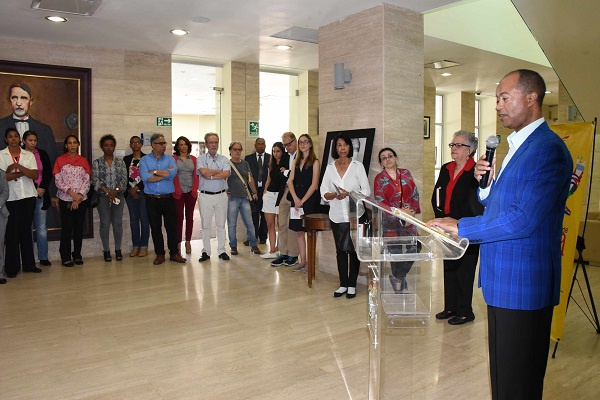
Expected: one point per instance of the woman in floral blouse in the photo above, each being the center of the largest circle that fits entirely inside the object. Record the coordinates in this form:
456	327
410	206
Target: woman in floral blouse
72	178
109	177
395	187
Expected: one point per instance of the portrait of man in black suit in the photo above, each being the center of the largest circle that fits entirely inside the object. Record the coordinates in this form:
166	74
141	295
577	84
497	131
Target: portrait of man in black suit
259	166
21	100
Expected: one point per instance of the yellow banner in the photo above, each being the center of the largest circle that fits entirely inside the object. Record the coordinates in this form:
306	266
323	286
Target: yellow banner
579	138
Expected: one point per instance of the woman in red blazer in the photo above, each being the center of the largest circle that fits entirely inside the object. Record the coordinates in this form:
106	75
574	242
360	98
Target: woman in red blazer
186	189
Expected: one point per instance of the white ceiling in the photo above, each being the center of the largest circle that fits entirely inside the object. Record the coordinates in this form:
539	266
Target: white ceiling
241	31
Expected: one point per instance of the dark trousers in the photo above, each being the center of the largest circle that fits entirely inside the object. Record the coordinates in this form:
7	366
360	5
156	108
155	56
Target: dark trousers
458	284
71	228
185	206
519	341
19	238
348	271
258	217
159	209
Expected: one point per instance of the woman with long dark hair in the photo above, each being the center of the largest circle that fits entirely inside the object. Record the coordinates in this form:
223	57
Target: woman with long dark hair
273	191
72	175
186	189
342	177
42	182
303	184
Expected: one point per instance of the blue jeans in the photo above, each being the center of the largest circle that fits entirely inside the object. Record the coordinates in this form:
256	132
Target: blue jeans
239	205
138	221
41	232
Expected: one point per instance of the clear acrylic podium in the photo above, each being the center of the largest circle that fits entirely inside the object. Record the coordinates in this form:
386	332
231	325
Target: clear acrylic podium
394	351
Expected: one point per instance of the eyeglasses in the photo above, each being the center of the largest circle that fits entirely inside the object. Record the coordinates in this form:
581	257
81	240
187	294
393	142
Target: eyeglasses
235	149
161	143
303	141
451	145
289	143
384	158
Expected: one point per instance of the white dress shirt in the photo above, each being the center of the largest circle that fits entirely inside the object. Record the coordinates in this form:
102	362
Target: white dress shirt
354	179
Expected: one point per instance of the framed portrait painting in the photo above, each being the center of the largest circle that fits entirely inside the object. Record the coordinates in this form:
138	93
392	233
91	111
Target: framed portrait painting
426	127
362	142
56	102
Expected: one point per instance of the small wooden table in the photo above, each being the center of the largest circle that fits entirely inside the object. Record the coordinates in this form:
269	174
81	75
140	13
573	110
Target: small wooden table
313	224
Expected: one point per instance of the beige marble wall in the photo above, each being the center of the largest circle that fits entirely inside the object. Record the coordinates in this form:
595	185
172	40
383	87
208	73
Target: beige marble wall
428	156
129	90
383	47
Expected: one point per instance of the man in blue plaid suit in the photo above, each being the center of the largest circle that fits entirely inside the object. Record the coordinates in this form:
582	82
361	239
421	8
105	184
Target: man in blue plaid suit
520	236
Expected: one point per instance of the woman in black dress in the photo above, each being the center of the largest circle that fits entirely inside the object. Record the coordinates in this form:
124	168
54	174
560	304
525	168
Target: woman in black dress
303	184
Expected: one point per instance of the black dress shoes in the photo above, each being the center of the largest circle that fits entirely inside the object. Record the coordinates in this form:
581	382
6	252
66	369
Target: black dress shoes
350	295
204	257
224	256
11	275
45	263
459	320
337	294
2	281
35	270
445	314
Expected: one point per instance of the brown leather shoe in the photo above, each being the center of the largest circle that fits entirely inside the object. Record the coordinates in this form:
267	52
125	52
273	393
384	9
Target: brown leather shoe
143	252
255	250
160	258
234	251
134	252
177	258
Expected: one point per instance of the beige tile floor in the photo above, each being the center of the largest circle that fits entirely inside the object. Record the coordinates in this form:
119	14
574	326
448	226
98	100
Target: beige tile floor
241	330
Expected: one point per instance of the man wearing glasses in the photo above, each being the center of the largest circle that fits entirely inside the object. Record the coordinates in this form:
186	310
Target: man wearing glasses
158	171
288	244
214	169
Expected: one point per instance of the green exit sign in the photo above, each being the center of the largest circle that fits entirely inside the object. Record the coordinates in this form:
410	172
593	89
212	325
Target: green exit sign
253	130
164	121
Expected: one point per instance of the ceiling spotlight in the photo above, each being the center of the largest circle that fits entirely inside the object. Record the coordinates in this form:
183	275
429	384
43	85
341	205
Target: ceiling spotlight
446	74
547	92
54	18
179	32
282	47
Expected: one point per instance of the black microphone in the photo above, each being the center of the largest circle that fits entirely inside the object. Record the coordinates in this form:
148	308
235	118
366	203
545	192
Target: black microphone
490	148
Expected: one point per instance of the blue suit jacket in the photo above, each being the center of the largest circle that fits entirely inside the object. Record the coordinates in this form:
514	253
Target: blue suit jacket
520	230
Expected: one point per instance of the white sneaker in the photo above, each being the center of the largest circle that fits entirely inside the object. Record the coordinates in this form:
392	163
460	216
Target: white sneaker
270	255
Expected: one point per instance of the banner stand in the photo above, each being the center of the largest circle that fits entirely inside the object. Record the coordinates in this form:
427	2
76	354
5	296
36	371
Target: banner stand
591	314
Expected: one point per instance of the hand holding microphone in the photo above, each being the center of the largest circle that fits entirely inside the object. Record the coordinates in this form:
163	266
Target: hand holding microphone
490	149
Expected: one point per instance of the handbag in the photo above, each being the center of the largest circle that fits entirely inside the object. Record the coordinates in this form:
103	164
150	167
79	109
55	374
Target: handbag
93	197
248	192
341	235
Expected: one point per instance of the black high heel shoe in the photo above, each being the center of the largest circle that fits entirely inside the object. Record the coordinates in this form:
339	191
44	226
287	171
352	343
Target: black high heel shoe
107	256
118	255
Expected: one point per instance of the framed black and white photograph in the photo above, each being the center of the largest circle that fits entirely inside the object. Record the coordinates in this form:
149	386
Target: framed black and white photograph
426	127
59	105
362	142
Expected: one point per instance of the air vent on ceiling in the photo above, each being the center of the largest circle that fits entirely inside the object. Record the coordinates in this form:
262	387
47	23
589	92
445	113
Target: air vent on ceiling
442	64
299	34
77	7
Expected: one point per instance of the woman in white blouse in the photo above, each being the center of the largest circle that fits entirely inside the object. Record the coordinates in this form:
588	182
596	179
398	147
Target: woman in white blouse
342	177
21	171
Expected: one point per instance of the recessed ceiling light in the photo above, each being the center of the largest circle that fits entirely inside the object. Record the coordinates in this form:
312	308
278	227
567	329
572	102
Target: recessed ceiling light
446	74
54	18
282	47
179	32
548	92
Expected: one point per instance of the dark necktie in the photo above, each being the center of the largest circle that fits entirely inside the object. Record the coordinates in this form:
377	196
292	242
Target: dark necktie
260	168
